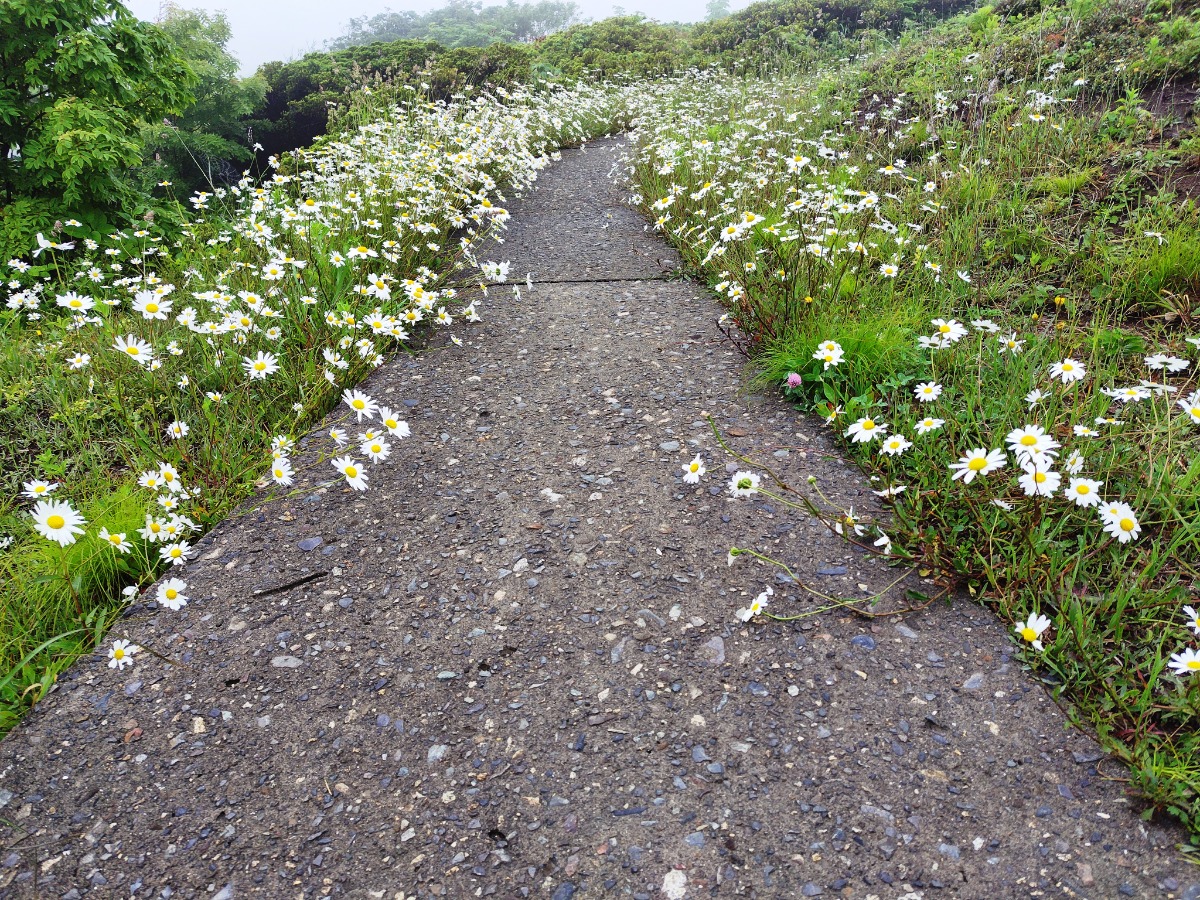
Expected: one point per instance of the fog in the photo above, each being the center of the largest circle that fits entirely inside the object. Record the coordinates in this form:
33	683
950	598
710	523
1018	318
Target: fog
264	30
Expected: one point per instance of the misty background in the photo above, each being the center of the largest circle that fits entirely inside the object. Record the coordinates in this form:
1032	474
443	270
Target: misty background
265	30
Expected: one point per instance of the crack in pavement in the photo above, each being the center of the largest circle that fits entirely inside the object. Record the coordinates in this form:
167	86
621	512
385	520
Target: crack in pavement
521	674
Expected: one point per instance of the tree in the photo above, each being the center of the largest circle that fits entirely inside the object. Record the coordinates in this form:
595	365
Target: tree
77	79
463	23
716	9
300	93
624	45
198	145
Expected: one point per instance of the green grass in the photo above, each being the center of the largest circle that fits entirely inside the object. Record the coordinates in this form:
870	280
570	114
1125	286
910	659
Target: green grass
1064	218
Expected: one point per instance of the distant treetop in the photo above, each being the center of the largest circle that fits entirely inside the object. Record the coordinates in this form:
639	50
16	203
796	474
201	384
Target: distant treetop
463	23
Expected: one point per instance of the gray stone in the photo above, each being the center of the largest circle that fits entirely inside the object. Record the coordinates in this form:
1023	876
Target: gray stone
618	652
863	640
948	850
287	662
309	543
974	683
869	810
437	753
712	651
695	839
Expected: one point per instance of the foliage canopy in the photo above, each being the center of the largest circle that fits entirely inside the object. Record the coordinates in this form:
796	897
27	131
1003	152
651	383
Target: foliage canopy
77	79
463	23
196	146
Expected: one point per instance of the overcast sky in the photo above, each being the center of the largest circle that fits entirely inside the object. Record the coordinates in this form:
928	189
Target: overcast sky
286	29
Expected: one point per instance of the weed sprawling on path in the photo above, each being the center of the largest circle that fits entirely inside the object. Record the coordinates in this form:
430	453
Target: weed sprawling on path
150	381
953	265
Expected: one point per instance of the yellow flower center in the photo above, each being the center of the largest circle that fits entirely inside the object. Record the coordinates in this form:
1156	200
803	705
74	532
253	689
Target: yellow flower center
358	404
155	528
1039	477
375	448
172	593
1195	411
943	328
977	464
176	553
152	307
1127	524
362	249
1083	489
132	351
1194	665
351	472
868	425
259	366
168	477
116	538
1028	633
118	653
1029	440
56	522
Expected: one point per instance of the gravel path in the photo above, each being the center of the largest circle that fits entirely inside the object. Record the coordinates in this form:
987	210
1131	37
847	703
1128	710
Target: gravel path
512	668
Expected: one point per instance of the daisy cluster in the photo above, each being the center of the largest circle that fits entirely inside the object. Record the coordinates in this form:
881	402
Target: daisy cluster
277	299
778	207
1047	470
820	206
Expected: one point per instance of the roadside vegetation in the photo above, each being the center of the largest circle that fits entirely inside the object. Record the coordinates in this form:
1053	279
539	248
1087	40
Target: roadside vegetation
150	382
978	258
